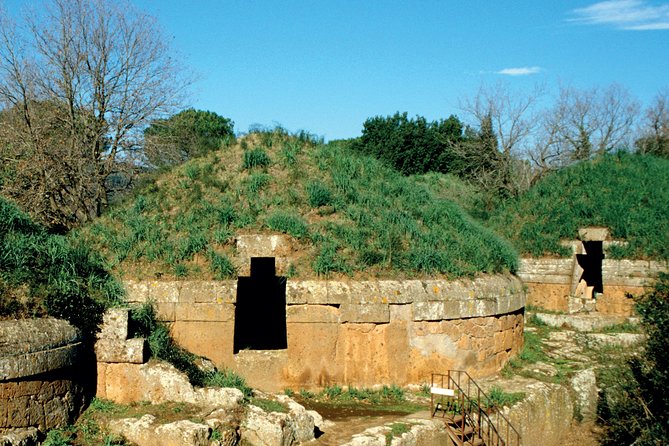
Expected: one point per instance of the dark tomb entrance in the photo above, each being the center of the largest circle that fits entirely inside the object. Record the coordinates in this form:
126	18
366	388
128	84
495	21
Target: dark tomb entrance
591	262
260	314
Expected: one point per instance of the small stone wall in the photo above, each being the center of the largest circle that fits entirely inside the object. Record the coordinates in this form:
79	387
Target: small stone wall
551	282
358	333
38	384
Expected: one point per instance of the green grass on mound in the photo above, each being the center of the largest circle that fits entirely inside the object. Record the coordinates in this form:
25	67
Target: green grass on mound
628	193
46	274
348	214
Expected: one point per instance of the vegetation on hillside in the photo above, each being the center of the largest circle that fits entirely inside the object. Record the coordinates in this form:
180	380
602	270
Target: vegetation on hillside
347	212
79	81
628	193
634	405
46	274
188	134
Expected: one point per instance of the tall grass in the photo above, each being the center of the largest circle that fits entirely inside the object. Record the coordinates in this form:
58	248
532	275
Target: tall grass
57	275
348	213
628	193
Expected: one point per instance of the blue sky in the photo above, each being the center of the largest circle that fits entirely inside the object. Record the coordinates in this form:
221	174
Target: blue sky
326	66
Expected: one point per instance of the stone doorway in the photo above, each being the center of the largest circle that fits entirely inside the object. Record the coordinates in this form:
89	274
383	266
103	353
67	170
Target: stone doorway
591	262
260	313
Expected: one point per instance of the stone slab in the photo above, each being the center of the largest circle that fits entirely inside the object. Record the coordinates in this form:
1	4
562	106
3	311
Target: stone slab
34	363
132	351
312	314
114	324
378	313
204	312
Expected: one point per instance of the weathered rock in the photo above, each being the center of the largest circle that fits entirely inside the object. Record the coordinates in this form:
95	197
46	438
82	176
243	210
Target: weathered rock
183	433
262	429
117	350
19	437
280	429
158	382
544	415
146	432
299	420
420	433
226	424
580	322
622	339
205	365
139	431
584	384
32	346
114	324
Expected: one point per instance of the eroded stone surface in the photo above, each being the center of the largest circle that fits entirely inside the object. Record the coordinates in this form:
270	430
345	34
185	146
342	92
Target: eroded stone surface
32	346
158	382
357	332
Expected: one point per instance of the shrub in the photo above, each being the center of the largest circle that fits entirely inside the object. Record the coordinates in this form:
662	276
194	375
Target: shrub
634	403
255	158
318	194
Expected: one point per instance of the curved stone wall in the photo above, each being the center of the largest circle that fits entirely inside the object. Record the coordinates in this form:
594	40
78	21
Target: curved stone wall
37	388
353	332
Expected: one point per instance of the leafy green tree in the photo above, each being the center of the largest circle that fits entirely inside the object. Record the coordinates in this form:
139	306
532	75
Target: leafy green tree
188	134
412	146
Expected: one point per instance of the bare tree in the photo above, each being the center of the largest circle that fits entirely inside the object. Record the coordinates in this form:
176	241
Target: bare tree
655	130
584	123
508	117
78	83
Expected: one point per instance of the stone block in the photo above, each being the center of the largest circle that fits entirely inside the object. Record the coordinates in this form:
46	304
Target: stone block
337	292
546	278
212	312
365	313
401	312
365	291
306	291
101	384
34	363
428	311
35	412
312	314
55	414
16	412
114	324
163	291
136	291
4	422
113	350
593	234
261	245
222	292
166	311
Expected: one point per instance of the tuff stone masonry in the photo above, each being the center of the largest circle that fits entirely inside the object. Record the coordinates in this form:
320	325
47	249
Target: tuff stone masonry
550	283
351	332
39	387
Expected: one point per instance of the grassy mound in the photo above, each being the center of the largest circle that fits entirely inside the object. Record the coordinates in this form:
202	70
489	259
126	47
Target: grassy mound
348	214
45	274
628	193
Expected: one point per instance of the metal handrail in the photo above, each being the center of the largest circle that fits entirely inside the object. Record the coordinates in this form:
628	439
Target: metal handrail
476	416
